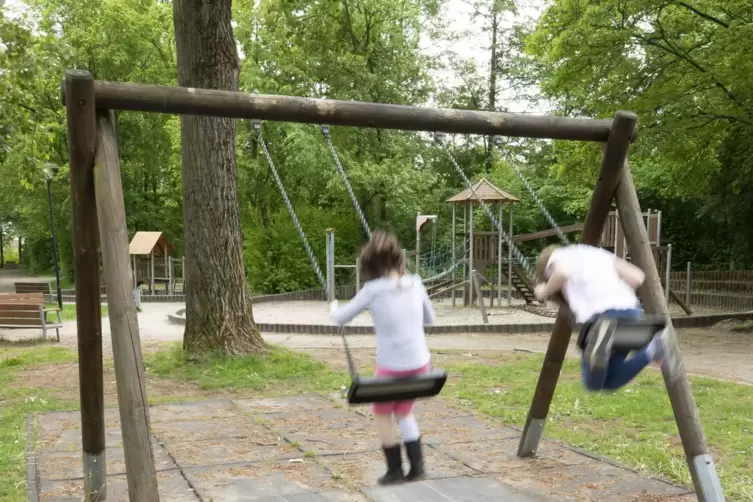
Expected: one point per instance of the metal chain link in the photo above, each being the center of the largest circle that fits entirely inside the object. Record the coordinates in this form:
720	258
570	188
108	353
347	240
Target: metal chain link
547	214
301	233
518	255
361	216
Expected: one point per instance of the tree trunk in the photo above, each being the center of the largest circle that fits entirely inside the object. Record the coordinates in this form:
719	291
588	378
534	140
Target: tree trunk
2	249
218	308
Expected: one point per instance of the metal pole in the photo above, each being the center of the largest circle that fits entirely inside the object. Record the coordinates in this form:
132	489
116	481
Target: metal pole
499	258
470	255
509	262
358	274
667	276
687	286
330	245
454	258
54	244
466	254
418	246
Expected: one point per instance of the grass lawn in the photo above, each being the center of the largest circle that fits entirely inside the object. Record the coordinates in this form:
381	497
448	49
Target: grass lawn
15	404
633	426
69	311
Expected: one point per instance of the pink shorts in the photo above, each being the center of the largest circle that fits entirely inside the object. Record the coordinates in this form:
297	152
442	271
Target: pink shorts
397	407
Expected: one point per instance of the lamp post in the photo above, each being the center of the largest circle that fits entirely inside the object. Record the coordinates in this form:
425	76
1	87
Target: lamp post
49	173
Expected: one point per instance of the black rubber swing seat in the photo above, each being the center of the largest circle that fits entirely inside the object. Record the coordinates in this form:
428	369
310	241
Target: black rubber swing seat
372	389
633	334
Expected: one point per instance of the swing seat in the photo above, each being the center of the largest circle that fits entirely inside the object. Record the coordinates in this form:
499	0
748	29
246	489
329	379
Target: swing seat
634	334
371	389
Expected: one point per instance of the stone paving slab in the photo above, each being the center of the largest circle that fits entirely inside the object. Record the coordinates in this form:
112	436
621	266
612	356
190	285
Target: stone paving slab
311	448
172	488
463	489
268	481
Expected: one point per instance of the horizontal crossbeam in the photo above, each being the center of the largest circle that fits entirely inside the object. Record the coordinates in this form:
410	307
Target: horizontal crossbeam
190	101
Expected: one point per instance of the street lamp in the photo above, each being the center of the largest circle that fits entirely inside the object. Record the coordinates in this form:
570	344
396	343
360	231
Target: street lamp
49	172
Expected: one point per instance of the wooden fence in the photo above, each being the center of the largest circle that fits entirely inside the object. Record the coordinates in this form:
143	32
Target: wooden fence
728	290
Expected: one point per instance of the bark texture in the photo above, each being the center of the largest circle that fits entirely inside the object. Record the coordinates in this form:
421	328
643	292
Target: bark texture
218	308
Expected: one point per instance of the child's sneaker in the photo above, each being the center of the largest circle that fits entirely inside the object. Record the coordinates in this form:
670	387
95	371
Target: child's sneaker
599	346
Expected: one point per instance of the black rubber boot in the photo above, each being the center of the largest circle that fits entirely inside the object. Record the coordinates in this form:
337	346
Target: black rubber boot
416	458
394	459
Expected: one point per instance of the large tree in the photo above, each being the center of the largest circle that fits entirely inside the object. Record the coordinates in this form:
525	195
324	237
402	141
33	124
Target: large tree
218	310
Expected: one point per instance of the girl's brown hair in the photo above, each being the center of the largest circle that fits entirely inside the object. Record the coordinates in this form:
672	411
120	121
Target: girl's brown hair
382	255
542	261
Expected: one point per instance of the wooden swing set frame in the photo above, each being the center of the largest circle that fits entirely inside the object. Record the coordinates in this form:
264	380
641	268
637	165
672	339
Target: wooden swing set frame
99	212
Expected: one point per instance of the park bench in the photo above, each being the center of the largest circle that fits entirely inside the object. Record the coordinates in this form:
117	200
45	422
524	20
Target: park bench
33	287
27	311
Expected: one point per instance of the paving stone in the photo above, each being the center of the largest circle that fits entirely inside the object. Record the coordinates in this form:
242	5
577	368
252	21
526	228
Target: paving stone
317	421
284	404
193	411
58	465
462	489
423	409
224	451
465	429
261	481
172	488
363	469
214	429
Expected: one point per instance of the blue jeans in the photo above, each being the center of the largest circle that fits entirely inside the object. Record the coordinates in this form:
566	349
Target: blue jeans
620	370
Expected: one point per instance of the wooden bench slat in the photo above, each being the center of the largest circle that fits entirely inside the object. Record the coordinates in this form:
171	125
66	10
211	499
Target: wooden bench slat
19	314
34	307
15	298
22	322
33	287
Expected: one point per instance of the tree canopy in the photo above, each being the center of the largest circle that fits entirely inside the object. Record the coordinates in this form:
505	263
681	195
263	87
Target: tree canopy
683	67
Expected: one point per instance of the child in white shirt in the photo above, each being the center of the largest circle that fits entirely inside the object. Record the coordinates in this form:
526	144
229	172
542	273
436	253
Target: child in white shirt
400	307
598	285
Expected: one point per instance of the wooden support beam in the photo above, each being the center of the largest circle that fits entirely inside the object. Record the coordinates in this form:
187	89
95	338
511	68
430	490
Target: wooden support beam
82	139
699	461
577	227
614	157
191	101
130	376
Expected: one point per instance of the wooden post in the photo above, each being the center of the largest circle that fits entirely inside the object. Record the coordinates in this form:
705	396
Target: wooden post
2	247
130	376
466	272
166	271
649	226
170	275
658	228
82	141
358	274
499	257
687	286
509	261
329	243
151	272
476	284
609	174
134	275
454	257
700	463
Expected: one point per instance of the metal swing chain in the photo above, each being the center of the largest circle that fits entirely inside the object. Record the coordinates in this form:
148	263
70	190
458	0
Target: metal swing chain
518	255
302	235
361	216
536	199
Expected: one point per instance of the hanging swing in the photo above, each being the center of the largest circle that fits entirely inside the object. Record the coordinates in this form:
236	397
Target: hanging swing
363	389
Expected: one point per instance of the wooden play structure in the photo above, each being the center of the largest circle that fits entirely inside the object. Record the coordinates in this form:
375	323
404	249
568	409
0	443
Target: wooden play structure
485	248
153	265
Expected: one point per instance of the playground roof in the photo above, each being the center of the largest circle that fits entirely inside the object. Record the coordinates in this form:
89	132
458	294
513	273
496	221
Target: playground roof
486	191
143	243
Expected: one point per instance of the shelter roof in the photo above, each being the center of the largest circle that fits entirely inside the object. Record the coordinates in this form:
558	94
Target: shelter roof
143	243
486	191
